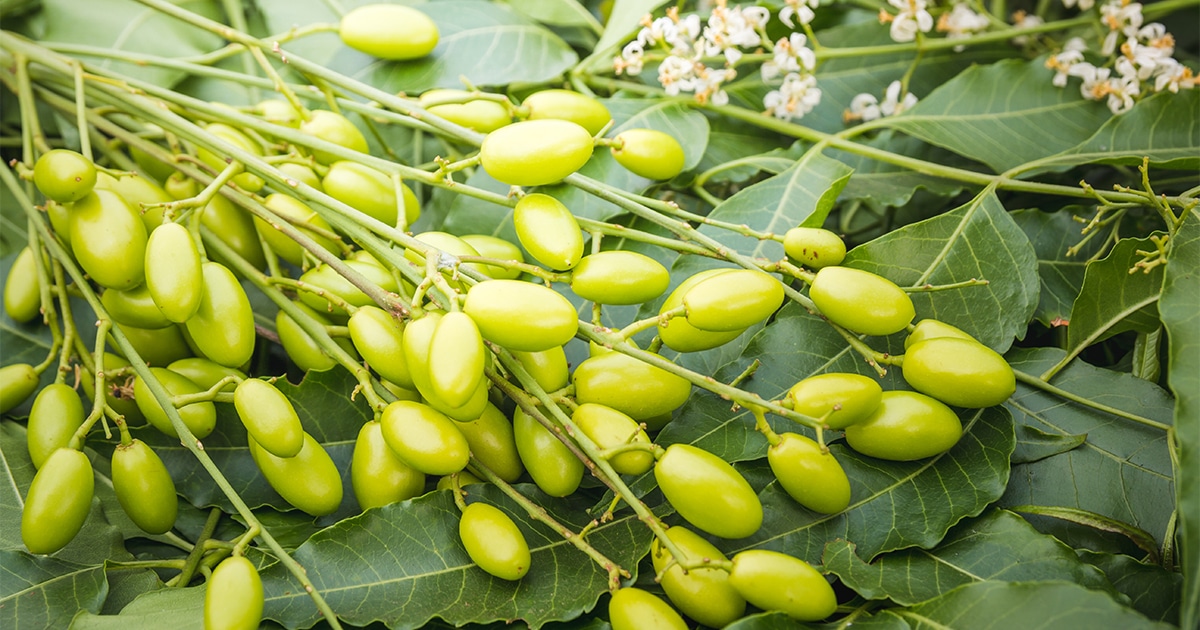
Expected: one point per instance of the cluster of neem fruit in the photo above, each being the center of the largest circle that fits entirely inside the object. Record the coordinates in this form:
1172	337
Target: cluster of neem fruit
444	362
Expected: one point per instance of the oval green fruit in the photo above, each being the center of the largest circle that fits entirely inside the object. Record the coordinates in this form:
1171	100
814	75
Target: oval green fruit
703	594
223	326
847	398
812	477
58	502
932	329
379	477
144	487
553	467
649	153
297	174
424	438
493	541
57	413
379	338
206	373
610	428
328	280
279	112
814	247
634	609
142	194
548	231
418	339
298	215
135	307
906	426
499	249
335	128
861	301
584	111
521	315
680	335
482	115
492	442
22	295
369	191
233	599
733	301
64	175
109	240
173	275
309	480
389	31
548	367
269	417
456	359
535	152
959	372
245	180
708	492
631	386
157	346
619	277
299	346
200	418
777	581
234	227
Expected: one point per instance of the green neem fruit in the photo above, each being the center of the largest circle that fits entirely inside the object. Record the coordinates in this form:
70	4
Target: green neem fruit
680	335
234	596
200	418
456	359
702	594
330	281
424	438
493	541
22	296
300	174
298	214
180	186
60	219
629	385
279	112
553	467
336	128
492	442
157	346
777	581
369	191
205	373
309	480
269	417
173	276
57	413
708	492
649	153
245	180
141	193
418	339
521	315
118	393
465	478
389	31
235	227
144	487
58	502
109	240
379	338
814	247
548	231
448	244
812	477
17	382
861	301
548	367
135	307
932	329
535	152
733	301
634	609
906	426
847	398
64	175
584	111
152	166
619	277
610	428
299	346
378	475
499	249
482	115
959	372
223	326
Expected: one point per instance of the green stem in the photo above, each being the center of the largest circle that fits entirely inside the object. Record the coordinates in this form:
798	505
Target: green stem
1038	383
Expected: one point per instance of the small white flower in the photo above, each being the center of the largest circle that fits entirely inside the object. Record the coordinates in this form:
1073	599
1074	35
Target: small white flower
1120	90
1144	59
961	22
791	55
912	18
802	10
797	96
892	105
867	107
1084	5
1067	63
708	85
630	61
676	75
1121	16
864	107
1022	19
1173	76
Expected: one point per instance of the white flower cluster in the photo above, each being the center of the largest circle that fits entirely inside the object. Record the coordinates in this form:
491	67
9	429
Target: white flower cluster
689	42
866	107
1145	61
913	17
961	22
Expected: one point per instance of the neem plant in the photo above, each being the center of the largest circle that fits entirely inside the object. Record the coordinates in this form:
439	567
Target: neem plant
635	314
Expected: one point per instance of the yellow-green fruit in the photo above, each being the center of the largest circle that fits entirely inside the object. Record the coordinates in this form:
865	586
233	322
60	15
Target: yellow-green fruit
118	392
634	609
701	593
370	192
173	275
959	372
932	329
299	346
547	367
535	152
269	417
619	277
812	477
584	111
629	385
379	338
708	492
206	373
482	115
814	247
279	112
218	162
777	581
447	243
424	438
456	359
58	502
135	307
649	153
22	296
223	326
492	442
499	249
521	315
378	475
493	541
330	281
17	382
57	413
234	596
733	301
200	417
335	128
297	214
553	467
680	335
389	31
861	301
465	478
157	346
846	398
141	193
300	174
64	175
906	426
610	428
109	240
309	480
144	487
548	231
234	227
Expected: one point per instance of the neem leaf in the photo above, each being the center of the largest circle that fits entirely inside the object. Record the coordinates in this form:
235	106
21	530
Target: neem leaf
45	592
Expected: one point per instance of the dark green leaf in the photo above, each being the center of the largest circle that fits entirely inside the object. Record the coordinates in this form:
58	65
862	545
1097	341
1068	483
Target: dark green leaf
46	592
891	185
1161	127
176	608
1034	444
1151	589
1053	234
557	12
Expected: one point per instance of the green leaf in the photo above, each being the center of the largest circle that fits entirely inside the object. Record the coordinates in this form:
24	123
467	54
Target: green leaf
403	564
1034	444
892	185
13	236
623	22
1122	471
977	240
1161	127
556	12
890	502
736	141
1027	605
1151	589
1180	311
176	608
131	26
1053	234
996	546
1004	114
46	592
1113	300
